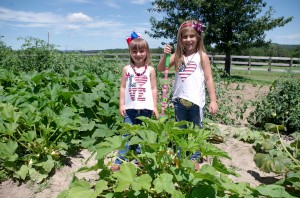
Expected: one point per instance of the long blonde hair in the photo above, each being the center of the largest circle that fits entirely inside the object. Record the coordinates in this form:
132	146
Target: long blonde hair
138	44
180	52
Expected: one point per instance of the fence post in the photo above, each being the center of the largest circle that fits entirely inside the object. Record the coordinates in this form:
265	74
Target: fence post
291	63
249	64
270	60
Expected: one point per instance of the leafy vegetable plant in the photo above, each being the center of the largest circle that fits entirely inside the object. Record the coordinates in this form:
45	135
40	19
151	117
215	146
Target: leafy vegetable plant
163	172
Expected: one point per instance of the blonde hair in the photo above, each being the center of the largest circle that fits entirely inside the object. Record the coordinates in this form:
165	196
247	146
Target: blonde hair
138	44
180	52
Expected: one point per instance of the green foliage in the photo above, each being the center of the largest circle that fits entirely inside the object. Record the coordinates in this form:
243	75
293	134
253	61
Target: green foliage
44	116
37	55
281	106
163	172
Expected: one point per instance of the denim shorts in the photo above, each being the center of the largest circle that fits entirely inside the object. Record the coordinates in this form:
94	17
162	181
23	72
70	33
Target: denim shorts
193	113
132	114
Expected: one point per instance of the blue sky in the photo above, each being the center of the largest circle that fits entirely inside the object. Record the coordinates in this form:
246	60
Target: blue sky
104	24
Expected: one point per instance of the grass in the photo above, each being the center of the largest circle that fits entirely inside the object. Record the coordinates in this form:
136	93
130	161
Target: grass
258	76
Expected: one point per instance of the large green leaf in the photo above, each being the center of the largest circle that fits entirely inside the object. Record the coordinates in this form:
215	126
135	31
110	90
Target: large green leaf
127	178
47	165
80	189
86	99
269	163
7	151
208	149
273	191
164	183
23	172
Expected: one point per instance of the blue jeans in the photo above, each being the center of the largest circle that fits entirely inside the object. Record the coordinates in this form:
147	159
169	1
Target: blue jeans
192	114
130	117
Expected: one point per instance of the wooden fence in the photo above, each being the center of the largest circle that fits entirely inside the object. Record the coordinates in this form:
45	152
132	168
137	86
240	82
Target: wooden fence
237	62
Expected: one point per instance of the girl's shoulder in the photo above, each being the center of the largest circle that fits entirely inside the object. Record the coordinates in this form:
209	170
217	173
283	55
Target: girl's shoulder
202	53
126	67
150	67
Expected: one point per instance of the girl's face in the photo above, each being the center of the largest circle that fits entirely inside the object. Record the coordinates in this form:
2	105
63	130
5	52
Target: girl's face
139	56
189	41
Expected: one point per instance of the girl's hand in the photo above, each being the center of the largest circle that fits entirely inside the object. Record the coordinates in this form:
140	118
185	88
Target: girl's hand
168	49
213	108
122	110
155	112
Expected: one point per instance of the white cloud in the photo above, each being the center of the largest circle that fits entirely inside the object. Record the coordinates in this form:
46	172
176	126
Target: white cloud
21	16
51	20
112	4
104	24
78	17
73	27
140	2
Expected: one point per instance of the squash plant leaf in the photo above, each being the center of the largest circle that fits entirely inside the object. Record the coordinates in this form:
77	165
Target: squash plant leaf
273	190
29	136
222	168
86	99
164	183
7	151
109	145
79	189
208	149
36	176
268	163
47	165
209	173
144	136
126	177
100	187
23	172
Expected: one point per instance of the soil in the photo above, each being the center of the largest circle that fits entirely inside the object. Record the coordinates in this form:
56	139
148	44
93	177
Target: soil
241	161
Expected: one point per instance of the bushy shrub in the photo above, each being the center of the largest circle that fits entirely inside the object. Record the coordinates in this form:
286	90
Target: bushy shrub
281	105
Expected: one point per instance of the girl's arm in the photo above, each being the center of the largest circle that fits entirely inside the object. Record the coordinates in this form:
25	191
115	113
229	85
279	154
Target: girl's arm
122	91
154	90
213	106
162	62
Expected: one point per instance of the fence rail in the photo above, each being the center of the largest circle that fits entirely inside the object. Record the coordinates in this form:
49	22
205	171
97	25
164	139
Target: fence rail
236	61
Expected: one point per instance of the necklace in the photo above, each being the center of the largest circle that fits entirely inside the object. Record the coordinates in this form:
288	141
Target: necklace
139	74
183	65
187	58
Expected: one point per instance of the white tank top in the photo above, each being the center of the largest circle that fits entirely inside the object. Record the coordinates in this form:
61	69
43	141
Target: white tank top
190	81
138	92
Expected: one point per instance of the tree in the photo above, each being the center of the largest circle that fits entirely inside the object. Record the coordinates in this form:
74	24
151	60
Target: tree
230	25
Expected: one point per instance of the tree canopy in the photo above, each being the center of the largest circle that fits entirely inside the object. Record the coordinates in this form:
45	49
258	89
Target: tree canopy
230	25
